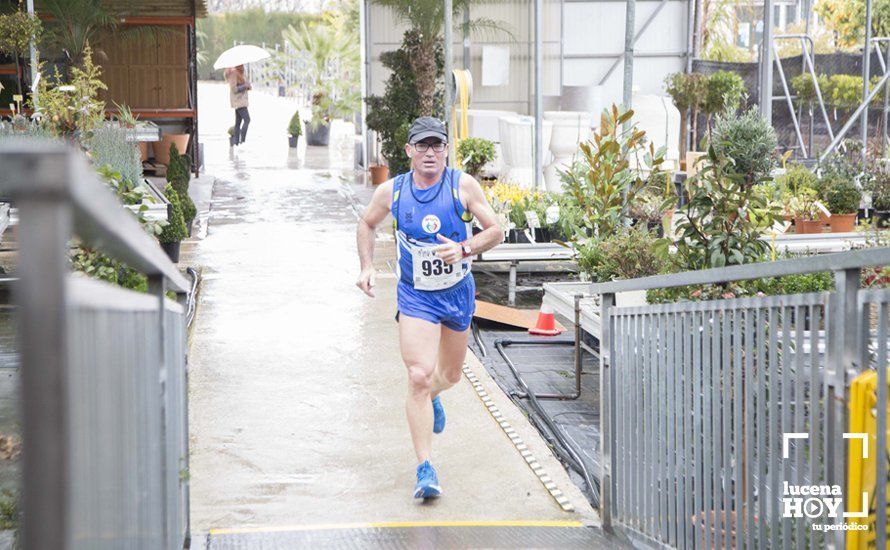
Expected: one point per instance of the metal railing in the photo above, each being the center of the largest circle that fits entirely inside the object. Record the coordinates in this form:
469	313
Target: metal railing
104	383
697	399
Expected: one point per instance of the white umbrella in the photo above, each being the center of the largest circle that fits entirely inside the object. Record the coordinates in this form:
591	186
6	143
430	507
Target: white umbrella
239	55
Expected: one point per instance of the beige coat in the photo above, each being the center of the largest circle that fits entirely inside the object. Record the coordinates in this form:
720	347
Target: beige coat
236	98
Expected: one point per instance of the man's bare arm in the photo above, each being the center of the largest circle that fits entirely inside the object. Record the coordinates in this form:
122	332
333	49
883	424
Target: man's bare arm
373	215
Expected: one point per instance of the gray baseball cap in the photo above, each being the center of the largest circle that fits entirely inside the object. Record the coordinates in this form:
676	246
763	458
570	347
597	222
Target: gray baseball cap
426	127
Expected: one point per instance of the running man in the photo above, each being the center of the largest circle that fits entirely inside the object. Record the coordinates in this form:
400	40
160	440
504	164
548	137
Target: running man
432	208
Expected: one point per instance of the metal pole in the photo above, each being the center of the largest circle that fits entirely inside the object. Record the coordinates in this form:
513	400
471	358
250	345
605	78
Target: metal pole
365	39
607	420
630	14
866	72
690	35
33	48
466	31
41	296
539	93
562	40
696	28
766	63
884	112
449	62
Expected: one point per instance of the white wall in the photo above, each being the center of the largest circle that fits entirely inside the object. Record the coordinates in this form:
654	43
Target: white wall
593	29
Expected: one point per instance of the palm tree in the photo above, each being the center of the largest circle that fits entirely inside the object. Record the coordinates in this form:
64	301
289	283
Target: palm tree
332	60
78	23
427	18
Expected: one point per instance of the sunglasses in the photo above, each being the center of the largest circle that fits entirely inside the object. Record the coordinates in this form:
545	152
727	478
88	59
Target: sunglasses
423	147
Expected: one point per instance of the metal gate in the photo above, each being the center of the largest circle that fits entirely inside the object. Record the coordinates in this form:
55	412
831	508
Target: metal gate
714	413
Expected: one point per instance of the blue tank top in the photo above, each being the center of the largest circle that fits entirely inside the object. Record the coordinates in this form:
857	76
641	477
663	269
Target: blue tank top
421	214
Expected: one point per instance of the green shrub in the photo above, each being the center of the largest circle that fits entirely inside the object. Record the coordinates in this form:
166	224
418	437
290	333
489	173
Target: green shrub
878	184
602	183
797	177
804	86
175	230
749	140
391	115
108	145
725	92
842	197
627	255
774	286
846	91
178	176
295	128
844	163
474	154
724	220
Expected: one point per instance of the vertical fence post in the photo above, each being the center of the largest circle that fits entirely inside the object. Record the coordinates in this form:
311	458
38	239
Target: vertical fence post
607	418
182	300
156	288
40	293
842	351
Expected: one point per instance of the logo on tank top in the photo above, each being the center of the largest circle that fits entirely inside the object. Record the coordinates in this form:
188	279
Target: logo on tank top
431	224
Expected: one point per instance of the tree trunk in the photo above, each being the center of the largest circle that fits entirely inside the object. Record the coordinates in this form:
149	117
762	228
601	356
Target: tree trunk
684	134
18	74
423	63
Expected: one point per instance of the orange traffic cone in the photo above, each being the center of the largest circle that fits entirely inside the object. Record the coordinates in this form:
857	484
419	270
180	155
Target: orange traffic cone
546	325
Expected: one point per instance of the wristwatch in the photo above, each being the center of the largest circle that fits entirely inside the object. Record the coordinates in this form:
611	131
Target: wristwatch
467	251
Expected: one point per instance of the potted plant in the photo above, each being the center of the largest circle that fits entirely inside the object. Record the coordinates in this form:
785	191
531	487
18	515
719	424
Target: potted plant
878	186
331	62
294	130
178	177
796	177
842	198
687	90
174	232
725	91
721	92
647	211
474	154
629	254
162	151
17	30
518	223
805	212
379	171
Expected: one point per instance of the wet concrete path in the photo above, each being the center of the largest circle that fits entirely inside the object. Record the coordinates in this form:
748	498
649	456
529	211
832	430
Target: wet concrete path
296	386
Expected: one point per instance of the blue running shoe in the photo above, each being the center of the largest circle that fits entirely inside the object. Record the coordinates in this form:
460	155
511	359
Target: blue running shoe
438	416
427	482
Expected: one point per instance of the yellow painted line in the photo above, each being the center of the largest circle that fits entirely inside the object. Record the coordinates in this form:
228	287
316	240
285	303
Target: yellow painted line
396	525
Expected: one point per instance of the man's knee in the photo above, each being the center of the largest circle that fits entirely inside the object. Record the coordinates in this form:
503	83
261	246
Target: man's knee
419	379
452	375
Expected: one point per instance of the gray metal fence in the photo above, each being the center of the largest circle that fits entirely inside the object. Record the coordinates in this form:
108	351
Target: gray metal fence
104	382
712	410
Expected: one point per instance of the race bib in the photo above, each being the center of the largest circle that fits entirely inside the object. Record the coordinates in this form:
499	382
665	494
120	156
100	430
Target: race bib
431	272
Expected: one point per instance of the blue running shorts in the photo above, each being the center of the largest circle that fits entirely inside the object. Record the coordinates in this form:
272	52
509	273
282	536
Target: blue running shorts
453	307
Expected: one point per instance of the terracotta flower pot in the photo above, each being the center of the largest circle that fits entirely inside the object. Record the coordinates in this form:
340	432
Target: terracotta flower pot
379	173
143	150
162	148
842	223
808	226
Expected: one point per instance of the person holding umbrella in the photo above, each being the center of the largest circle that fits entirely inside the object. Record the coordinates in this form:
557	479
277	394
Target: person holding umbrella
233	61
238	87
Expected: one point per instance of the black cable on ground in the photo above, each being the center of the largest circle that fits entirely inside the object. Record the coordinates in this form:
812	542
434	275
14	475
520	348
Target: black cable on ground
573	457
